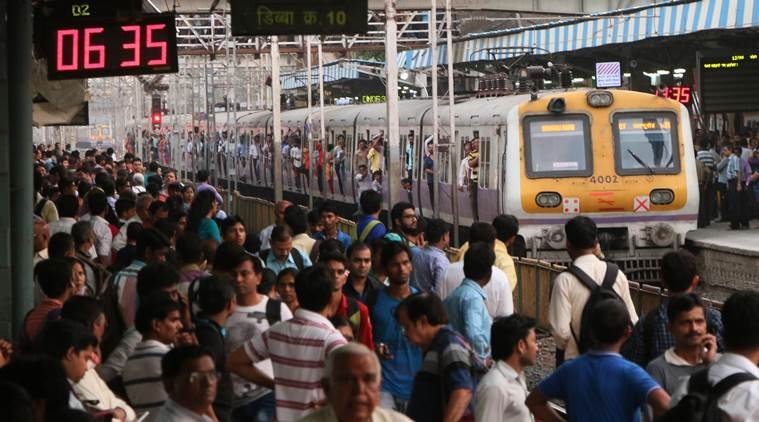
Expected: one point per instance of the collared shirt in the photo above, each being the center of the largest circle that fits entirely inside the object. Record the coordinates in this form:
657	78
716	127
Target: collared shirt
121	239
669	369
359	321
503	261
92	389
265	236
429	268
142	378
501	396
37	317
304	243
172	411
298	349
569	296
474	172
370	285
277	266
103	234
738	404
126	287
374	157
468	315
500	301
643	347
327	414
343	237
722	170
63	224
733	166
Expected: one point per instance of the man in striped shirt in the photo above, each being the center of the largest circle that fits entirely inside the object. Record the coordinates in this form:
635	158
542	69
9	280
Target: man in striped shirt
158	320
297	348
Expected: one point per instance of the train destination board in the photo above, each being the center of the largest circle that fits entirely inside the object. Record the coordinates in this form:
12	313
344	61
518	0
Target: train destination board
728	83
85	47
299	17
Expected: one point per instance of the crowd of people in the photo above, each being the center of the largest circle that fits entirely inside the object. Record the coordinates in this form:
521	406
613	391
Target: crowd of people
728	170
154	305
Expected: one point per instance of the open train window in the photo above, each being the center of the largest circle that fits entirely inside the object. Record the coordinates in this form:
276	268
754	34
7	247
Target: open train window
484	166
557	146
646	143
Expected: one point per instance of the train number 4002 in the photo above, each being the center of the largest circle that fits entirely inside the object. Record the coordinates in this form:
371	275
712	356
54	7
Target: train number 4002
603	179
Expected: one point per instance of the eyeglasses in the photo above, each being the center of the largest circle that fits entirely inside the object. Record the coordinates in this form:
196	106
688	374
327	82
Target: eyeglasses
412	217
209	376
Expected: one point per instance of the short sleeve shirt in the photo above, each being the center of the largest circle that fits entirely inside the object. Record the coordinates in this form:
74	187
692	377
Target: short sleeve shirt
209	230
600	387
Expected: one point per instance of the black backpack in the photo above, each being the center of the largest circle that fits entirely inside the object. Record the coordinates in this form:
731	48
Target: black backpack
273	311
597	294
297	257
701	402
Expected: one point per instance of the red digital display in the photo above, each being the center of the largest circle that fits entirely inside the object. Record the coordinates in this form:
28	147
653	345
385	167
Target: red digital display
681	93
101	47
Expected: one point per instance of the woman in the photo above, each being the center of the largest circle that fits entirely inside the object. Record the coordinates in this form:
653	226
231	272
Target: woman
188	194
200	217
79	278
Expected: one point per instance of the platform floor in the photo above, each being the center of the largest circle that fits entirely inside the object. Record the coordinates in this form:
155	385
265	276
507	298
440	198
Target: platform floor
718	236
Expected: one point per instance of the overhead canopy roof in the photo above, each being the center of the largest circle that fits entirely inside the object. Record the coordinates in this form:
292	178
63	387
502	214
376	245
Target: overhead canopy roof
674	18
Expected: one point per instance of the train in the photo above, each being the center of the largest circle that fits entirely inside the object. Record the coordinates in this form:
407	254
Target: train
623	158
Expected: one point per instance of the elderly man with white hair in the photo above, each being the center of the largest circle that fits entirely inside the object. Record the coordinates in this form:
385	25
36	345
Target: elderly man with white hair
353	388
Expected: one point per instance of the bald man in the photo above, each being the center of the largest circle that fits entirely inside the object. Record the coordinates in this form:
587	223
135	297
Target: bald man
353	388
279	219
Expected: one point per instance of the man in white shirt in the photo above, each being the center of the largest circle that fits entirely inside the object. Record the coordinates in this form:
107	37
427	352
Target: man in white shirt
569	295
502	392
190	380
98	204
279	219
463	173
740	316
297	158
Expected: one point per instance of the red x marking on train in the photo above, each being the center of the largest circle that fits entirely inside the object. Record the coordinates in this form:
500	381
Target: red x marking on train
642	204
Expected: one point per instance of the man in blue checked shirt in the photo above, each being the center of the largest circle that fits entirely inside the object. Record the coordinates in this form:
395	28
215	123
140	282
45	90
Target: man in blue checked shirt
430	265
466	309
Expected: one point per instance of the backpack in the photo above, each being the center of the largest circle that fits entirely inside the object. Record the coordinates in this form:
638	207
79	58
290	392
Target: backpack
701	402
597	294
355	236
116	327
294	252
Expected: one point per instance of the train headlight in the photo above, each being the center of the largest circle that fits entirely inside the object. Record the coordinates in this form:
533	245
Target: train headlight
599	98
662	235
661	196
556	238
548	199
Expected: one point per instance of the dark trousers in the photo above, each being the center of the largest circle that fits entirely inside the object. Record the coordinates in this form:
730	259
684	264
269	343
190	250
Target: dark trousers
431	189
473	187
738	204
340	172
723	201
703	206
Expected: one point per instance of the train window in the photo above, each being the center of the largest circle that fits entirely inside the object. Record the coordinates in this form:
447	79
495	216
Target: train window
484	162
646	143
557	146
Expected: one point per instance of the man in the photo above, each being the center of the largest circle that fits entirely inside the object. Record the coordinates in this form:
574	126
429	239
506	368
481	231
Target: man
73	346
137	165
279	219
349	308
359	158
363	180
465	306
68	213
399	358
352	386
473	162
506	229
255	313
54	278
502	391
142	216
190	380
98	205
444	386
84	240
360	282
152	247
500	301
158	321
404	219
297	219
298	348
462	176
694	348
600	385
216	302
282	254
569	294
429	172
41	240
233	230
202	184
339	158
430	265
329	218
408	188
192	260
740	316
374	155
369	227
651	336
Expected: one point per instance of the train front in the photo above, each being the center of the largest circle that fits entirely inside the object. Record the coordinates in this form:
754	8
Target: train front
623	158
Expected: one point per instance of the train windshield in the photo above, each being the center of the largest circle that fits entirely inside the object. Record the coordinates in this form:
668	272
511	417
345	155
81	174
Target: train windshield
557	146
646	143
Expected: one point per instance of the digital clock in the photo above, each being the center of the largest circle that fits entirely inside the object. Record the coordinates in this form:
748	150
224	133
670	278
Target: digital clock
101	47
680	93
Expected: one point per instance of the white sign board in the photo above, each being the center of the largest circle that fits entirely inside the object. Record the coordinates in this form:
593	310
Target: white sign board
608	75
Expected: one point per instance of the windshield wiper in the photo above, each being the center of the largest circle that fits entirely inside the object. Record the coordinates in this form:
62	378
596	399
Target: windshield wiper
640	161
